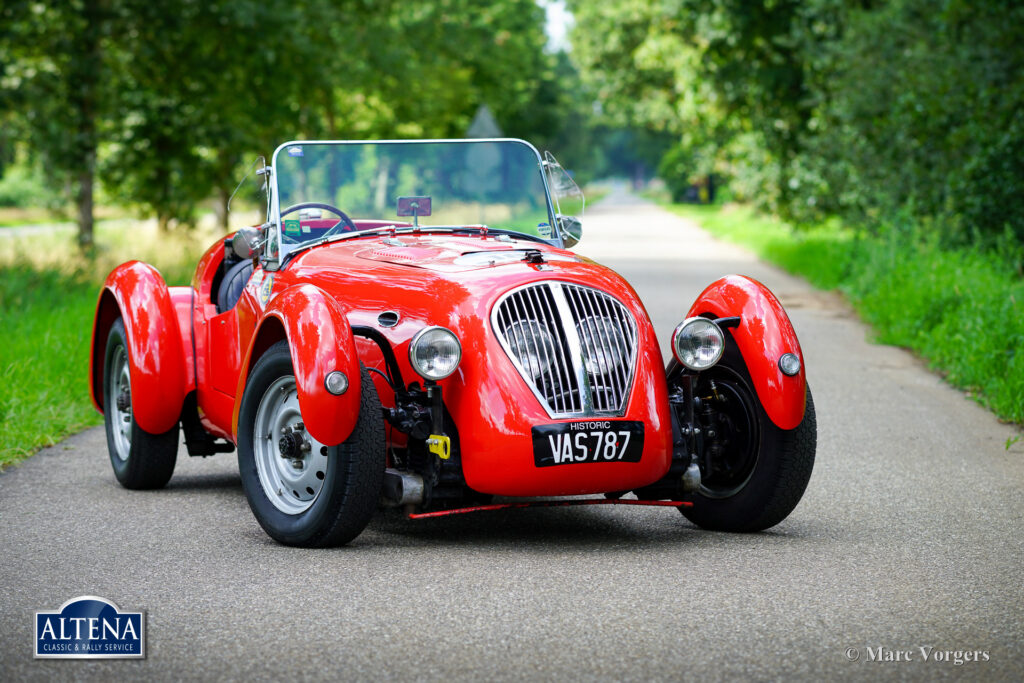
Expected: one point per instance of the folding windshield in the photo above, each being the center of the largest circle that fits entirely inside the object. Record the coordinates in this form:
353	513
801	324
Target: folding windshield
325	189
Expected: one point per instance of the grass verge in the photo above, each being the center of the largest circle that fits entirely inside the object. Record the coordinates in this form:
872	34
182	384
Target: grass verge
961	309
13	217
48	293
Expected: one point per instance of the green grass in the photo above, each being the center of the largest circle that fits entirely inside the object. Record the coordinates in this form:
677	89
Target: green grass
48	293
961	309
46	317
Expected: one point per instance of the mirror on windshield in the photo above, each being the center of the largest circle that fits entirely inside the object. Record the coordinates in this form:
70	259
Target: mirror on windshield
415	207
246	243
568	200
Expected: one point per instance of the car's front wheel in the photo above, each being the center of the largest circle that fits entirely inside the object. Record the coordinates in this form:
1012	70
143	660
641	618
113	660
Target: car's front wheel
302	492
140	460
753	473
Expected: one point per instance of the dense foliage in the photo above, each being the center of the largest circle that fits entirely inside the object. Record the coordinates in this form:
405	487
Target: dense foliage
814	108
166	103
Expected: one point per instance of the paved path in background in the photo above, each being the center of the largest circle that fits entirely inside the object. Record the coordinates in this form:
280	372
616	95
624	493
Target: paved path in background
908	537
36	229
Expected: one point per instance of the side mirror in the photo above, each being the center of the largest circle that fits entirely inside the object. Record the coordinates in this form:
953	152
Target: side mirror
571	229
247	243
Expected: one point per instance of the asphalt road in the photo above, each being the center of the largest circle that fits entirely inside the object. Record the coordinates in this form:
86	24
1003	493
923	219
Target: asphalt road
907	538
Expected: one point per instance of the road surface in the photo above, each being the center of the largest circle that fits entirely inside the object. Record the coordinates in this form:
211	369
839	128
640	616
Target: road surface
908	538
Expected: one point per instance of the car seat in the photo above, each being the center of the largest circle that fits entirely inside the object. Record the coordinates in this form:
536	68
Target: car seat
230	290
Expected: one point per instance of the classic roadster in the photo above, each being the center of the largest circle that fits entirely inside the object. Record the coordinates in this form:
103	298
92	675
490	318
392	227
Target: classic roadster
408	328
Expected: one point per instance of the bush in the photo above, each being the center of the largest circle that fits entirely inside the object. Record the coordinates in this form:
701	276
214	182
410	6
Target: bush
676	168
25	187
990	197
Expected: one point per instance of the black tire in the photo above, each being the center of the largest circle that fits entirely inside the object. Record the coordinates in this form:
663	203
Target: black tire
772	468
353	476
147	460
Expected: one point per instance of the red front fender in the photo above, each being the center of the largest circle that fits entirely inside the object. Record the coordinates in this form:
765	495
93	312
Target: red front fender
159	372
320	340
764	334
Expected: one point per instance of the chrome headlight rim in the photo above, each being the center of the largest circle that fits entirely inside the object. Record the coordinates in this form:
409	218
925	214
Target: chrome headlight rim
687	329
418	339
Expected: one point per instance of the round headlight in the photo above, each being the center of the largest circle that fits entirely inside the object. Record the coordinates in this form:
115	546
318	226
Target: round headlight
698	343
435	352
602	340
533	346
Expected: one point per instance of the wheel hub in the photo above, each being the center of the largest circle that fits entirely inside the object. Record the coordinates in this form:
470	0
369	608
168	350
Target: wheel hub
730	423
291	464
124	399
121	411
292	446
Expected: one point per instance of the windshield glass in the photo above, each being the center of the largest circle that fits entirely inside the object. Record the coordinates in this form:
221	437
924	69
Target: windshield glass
332	188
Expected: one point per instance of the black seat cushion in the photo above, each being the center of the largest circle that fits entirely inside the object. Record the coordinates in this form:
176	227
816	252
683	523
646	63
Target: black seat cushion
230	290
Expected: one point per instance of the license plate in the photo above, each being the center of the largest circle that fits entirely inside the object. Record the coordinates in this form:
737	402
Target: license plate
588	441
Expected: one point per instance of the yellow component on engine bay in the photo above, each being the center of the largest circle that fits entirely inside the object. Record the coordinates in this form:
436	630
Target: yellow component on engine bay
440	445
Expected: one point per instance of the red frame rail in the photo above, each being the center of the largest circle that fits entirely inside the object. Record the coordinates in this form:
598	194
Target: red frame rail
549	504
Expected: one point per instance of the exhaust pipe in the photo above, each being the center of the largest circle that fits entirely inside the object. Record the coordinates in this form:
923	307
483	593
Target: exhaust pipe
402	488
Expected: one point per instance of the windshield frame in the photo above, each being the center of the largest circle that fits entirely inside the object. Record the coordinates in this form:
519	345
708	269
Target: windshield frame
284	250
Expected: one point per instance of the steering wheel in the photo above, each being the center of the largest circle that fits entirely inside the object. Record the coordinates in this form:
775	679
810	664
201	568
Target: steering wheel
345	220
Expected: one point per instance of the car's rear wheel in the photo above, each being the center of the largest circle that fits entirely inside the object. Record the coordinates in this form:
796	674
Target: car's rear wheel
753	473
140	460
302	492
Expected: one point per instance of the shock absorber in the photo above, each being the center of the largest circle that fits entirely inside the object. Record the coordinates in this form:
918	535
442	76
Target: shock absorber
691	477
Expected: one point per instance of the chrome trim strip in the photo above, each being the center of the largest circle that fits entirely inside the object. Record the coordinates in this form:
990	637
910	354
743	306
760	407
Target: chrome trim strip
572	338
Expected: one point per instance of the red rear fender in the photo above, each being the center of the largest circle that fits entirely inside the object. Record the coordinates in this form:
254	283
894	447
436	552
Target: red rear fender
159	368
320	341
764	334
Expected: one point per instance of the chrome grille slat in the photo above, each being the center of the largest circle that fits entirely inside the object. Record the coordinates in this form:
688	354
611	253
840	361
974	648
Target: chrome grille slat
566	376
610	372
592	343
581	324
571	313
620	342
534	361
613	345
530	297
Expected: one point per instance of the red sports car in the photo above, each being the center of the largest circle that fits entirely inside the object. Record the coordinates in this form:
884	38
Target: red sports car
409	328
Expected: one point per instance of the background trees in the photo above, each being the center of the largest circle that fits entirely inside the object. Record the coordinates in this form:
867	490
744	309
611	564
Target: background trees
810	108
166	102
821	107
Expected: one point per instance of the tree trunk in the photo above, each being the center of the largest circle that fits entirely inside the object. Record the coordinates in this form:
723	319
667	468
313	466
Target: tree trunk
86	75
163	223
83	202
222	208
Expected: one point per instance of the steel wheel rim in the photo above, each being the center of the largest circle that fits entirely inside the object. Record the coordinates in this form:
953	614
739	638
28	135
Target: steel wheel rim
291	484
122	418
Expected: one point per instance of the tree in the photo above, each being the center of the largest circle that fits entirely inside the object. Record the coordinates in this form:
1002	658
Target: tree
825	107
55	74
167	100
730	78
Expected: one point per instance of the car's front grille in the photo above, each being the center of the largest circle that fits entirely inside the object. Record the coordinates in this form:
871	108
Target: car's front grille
574	346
